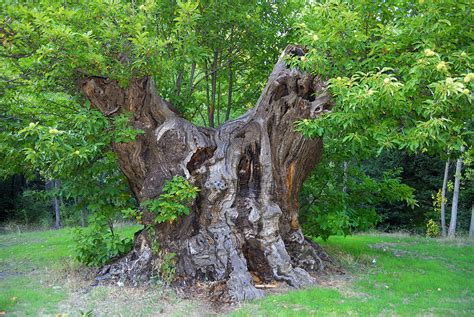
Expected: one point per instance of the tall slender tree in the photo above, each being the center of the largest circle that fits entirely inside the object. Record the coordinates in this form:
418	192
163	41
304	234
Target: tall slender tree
454	205
443	198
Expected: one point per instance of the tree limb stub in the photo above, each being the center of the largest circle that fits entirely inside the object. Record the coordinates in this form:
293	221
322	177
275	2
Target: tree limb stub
244	224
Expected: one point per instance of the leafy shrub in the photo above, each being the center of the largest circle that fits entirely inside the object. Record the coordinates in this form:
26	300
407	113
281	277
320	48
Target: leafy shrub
432	229
98	244
174	201
326	209
168	267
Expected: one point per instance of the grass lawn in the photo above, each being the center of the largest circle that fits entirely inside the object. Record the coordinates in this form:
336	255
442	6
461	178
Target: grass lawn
391	275
32	269
25	260
388	275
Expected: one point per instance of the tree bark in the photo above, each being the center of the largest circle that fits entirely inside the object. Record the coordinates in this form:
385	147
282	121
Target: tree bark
179	81
244	226
51	185
56	206
218	105
443	199
83	218
454	205
345	168
213	88
229	92
191	78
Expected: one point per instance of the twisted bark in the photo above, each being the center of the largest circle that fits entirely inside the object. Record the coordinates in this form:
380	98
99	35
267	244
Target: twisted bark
244	225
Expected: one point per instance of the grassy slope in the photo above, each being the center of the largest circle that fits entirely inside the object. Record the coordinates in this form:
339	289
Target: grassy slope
411	275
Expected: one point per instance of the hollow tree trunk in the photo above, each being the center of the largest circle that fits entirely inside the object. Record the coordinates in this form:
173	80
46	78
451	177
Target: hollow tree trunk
244	226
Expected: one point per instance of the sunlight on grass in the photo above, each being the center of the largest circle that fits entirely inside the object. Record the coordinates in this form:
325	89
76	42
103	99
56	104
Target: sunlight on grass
410	276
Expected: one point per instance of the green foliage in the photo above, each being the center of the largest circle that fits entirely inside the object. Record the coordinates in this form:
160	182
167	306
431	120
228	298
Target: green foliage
399	80
124	132
435	214
98	244
400	74
82	158
89	313
432	229
438	200
168	267
174	200
132	214
57	42
310	129
47	126
33	208
326	209
423	173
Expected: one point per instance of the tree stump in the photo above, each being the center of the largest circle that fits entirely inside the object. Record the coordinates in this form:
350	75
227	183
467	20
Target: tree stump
244	226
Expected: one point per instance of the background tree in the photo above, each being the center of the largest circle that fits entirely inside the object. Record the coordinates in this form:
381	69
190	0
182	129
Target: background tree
443	198
400	74
454	208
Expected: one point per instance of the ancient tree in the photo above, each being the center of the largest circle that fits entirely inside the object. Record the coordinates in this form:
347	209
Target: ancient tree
244	226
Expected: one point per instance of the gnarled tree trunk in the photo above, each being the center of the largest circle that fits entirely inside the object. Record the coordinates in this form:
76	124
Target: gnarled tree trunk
244	226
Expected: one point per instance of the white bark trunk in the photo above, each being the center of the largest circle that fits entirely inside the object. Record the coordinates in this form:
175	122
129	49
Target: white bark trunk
454	208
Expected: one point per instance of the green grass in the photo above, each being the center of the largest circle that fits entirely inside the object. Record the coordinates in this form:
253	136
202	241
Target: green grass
30	263
410	276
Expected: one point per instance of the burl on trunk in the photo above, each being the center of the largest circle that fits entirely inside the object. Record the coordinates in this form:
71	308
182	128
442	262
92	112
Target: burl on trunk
244	226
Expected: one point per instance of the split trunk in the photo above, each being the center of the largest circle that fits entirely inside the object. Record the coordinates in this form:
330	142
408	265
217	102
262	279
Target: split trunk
243	228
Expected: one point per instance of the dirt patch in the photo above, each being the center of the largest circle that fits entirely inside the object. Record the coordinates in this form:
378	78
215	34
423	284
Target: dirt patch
341	283
120	300
156	300
390	247
125	301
